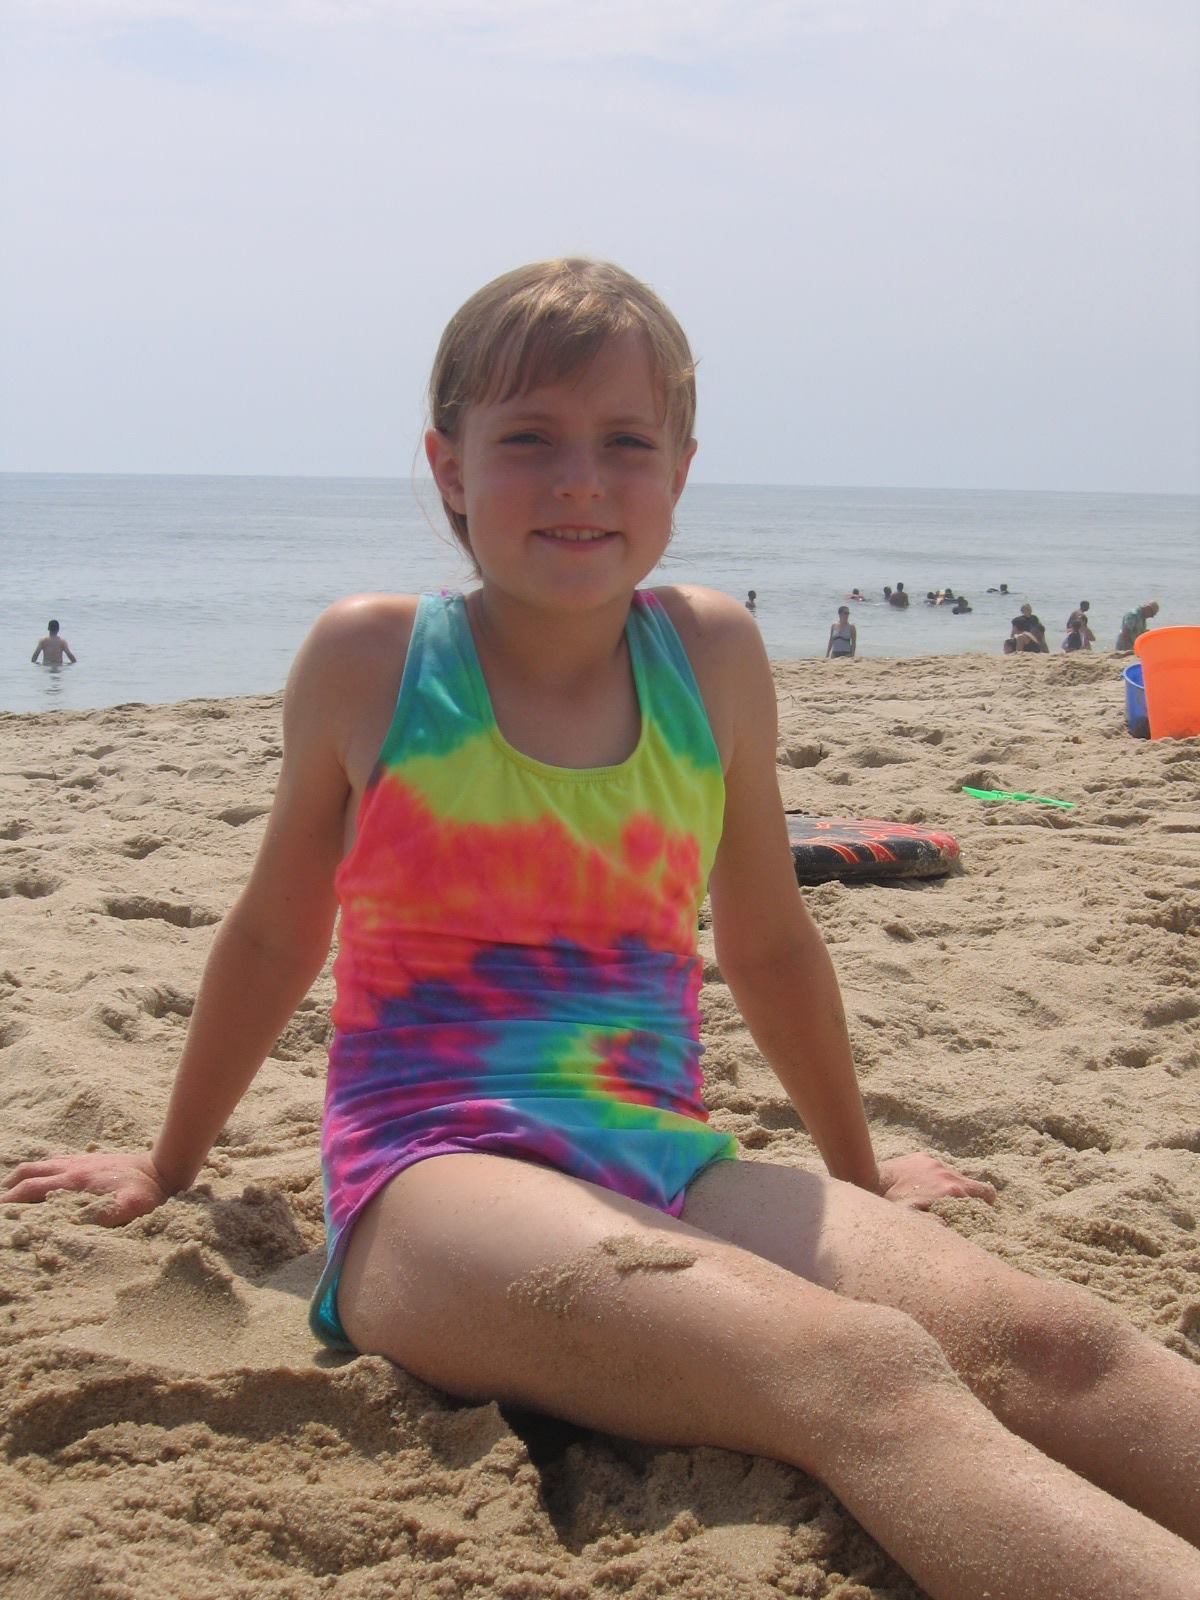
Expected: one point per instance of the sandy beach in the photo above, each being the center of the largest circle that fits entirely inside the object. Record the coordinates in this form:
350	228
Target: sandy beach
169	1426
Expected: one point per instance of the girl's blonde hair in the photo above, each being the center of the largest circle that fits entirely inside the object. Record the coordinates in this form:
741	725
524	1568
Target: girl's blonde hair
545	322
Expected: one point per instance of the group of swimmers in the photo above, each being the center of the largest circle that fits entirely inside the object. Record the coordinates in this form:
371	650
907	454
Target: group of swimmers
900	598
842	643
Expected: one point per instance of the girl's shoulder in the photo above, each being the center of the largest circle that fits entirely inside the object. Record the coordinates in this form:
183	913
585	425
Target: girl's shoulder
364	618
356	638
705	618
347	674
725	649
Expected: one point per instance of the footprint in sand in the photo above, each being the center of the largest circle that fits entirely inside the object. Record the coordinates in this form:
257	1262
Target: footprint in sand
1076	1133
236	816
977	778
801	755
141	845
879	755
163	1000
125	1012
28	885
1105	1233
136	908
1171	1008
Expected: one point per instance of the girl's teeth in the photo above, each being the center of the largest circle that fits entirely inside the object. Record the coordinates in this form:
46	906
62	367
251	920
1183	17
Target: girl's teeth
575	535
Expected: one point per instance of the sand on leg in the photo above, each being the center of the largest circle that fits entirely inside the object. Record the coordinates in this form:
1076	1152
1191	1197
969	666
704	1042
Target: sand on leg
493	1278
1056	1365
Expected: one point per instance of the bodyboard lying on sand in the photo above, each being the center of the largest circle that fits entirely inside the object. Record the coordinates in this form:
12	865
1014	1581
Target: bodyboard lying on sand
845	847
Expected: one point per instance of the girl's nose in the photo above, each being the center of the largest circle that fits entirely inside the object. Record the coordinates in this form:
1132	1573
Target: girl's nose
579	475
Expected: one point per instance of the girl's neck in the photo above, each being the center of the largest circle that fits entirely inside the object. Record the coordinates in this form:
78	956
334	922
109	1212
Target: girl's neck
546	651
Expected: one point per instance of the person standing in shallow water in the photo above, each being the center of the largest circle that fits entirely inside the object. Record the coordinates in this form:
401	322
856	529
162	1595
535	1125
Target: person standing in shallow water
843	637
52	647
544	777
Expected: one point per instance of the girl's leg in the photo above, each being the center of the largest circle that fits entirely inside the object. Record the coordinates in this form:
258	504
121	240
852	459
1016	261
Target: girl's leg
496	1279
1056	1365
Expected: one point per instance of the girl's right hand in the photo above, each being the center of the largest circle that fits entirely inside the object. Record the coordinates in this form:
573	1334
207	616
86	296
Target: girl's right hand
130	1185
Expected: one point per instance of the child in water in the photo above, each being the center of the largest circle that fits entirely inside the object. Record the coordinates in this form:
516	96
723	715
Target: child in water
517	799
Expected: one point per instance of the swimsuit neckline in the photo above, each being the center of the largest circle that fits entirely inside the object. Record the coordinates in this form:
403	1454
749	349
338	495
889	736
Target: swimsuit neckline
531	763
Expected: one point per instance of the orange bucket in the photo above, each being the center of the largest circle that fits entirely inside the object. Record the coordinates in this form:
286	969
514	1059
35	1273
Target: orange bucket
1171	676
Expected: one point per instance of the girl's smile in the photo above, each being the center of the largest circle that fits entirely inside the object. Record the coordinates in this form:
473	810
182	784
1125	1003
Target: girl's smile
581	538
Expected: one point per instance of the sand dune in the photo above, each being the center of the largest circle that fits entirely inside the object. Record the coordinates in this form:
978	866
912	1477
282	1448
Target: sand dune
170	1428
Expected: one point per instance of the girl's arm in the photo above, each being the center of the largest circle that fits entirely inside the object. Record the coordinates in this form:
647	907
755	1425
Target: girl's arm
266	953
771	954
274	941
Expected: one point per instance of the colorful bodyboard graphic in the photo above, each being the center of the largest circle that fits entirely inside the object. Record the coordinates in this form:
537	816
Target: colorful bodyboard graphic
825	848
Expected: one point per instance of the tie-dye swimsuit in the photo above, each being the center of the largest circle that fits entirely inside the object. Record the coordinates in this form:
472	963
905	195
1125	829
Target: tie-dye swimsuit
517	969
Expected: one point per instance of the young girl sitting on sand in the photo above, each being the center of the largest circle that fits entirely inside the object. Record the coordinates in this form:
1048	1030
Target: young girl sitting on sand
517	798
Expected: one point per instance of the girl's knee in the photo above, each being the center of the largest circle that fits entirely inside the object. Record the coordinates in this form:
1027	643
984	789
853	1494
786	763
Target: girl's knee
867	1373
1063	1338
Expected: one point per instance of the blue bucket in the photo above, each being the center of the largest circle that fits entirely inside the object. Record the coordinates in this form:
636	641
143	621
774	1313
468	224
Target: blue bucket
1137	718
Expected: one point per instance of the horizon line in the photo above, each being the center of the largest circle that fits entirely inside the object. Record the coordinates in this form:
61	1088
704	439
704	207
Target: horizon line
700	483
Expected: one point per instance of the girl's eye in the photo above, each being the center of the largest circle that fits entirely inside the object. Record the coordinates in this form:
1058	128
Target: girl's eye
526	436
627	441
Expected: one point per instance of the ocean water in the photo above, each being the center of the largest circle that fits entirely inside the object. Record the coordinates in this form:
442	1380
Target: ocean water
170	588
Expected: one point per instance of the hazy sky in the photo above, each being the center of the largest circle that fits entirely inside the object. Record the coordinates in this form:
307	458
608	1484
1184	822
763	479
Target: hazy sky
914	242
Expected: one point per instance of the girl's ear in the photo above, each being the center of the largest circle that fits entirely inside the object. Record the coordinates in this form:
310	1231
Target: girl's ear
682	465
442	455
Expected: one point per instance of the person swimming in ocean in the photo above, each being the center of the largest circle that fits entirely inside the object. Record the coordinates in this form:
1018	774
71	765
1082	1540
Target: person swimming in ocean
52	647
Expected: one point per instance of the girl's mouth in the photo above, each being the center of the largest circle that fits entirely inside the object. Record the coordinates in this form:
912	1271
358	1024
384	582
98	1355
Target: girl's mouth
575	536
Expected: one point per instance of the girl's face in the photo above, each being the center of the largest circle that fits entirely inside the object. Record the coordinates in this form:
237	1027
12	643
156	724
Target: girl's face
569	488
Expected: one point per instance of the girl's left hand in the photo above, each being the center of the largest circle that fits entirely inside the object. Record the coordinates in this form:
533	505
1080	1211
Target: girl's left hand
919	1180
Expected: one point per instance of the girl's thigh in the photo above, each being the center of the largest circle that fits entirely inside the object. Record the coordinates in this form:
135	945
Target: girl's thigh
859	1245
498	1279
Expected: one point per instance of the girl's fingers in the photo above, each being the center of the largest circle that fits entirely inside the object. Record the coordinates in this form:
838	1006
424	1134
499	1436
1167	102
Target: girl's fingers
33	1169
34	1180
35	1188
